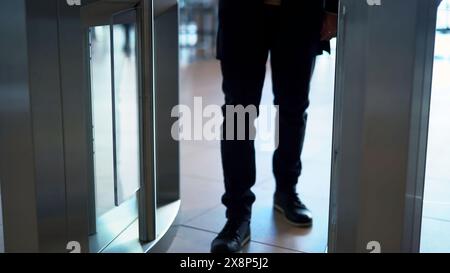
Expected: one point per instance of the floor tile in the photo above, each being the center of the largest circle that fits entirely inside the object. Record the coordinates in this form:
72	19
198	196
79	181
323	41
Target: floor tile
205	163
435	236
197	197
437	199
188	240
255	247
436	210
270	228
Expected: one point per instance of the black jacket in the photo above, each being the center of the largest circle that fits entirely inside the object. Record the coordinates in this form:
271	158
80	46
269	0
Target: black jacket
239	20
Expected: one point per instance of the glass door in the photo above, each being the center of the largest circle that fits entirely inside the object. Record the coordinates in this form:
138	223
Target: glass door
133	62
116	126
126	107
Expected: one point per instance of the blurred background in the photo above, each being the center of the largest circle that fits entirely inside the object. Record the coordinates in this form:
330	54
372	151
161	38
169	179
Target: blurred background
198	26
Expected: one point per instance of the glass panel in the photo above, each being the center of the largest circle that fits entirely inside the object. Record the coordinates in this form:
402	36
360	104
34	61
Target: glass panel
126	109
435	233
101	99
116	132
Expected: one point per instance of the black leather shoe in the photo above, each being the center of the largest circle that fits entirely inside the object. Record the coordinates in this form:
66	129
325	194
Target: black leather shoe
232	238
293	210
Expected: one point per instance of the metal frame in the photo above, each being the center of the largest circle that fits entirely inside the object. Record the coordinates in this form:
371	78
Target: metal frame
147	194
96	14
380	124
45	164
16	137
43	158
166	58
101	13
419	124
75	118
160	153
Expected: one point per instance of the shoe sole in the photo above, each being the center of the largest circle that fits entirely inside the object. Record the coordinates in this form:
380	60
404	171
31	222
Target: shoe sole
244	243
281	211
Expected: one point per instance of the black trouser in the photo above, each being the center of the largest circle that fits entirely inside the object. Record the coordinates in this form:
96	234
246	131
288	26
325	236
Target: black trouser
292	51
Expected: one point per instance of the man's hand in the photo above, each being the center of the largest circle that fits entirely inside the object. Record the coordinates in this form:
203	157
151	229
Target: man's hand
329	27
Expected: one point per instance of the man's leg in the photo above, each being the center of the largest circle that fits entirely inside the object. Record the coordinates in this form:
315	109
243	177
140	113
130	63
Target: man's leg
291	88
243	53
242	84
292	60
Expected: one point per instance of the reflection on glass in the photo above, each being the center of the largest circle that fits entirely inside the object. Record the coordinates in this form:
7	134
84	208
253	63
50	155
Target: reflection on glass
435	230
126	109
101	100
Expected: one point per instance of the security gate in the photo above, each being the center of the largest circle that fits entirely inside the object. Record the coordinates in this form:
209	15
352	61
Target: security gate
88	161
383	88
